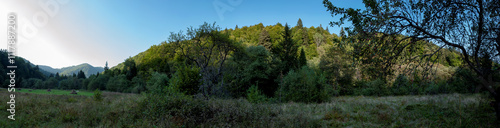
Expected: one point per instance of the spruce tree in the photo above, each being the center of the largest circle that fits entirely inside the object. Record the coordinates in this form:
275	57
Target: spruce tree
265	39
286	51
302	58
81	75
106	67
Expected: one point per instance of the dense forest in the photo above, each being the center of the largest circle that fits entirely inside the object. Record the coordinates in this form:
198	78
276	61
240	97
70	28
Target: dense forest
270	63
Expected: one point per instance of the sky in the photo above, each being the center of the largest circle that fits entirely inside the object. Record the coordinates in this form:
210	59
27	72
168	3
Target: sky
61	33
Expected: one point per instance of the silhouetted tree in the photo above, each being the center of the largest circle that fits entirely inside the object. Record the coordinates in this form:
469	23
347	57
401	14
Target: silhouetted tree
81	75
470	26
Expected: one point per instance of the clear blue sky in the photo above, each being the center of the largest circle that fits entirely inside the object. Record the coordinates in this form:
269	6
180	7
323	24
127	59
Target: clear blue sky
96	31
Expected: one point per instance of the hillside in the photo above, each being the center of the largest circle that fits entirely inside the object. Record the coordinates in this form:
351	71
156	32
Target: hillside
315	41
24	70
86	68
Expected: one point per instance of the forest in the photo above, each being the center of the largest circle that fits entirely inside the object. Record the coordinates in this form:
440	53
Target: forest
276	62
384	53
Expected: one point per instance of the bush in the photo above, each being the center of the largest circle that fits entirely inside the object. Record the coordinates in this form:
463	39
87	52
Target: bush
376	87
401	86
254	95
304	85
97	95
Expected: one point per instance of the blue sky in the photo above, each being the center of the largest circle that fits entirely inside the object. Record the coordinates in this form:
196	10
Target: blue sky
96	31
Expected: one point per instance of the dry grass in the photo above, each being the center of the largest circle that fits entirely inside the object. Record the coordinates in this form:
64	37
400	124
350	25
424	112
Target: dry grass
125	110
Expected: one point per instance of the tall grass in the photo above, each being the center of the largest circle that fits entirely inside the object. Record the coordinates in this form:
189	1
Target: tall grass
133	110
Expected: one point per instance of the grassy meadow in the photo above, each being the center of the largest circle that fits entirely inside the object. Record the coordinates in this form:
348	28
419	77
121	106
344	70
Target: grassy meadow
54	92
135	110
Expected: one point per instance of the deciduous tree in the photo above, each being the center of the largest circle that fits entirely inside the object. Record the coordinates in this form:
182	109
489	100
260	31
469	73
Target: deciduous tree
470	26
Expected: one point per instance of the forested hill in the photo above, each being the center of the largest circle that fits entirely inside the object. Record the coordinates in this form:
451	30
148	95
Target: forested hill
314	40
86	68
23	71
266	55
309	39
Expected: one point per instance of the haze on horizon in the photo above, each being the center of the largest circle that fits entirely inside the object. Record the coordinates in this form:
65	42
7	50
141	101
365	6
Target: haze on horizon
61	33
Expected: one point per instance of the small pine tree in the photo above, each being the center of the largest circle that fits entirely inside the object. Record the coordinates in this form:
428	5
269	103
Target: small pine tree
97	95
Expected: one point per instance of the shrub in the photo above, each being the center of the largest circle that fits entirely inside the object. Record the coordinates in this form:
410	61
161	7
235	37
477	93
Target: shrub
401	86
97	95
254	95
375	87
304	85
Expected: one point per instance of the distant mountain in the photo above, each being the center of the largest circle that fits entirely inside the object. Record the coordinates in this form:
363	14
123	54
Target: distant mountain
86	68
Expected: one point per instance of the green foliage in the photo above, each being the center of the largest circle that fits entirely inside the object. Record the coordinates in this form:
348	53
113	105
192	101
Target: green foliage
70	83
338	68
286	51
251	66
375	88
255	96
265	39
401	86
208	48
81	75
51	83
158	83
118	83
300	34
130	68
304	85
97	95
138	84
186	80
98	83
302	58
464	81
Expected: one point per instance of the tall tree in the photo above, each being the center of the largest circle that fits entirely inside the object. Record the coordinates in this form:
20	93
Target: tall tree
265	39
342	33
81	75
286	51
130	68
470	26
208	48
106	67
300	34
299	23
